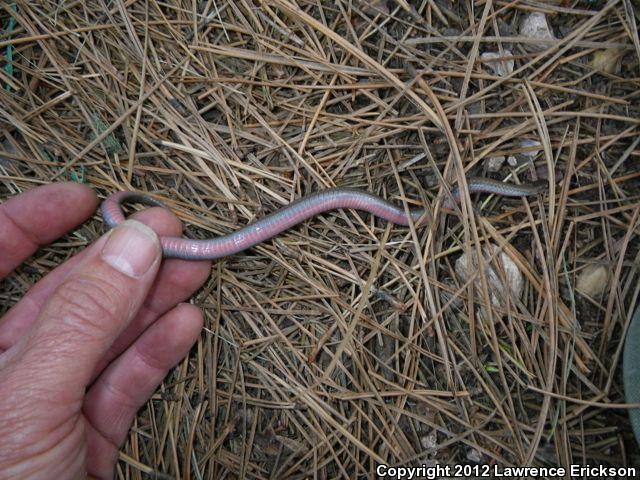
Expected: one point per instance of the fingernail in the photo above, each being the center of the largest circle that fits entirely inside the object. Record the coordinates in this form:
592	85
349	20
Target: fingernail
131	248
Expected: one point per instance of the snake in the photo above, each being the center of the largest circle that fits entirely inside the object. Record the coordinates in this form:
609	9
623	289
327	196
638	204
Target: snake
329	199
298	211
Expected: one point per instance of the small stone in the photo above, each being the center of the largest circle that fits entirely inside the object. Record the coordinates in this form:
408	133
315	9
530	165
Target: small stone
608	60
529	144
499	291
430	441
474	455
535	26
593	280
512	161
502	68
495	163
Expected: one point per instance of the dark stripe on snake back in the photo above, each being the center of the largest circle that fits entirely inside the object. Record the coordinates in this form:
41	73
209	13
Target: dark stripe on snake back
295	213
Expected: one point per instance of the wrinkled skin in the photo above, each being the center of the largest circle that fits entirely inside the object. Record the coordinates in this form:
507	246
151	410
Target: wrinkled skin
90	342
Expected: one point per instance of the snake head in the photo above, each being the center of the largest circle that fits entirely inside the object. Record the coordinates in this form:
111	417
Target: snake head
540	186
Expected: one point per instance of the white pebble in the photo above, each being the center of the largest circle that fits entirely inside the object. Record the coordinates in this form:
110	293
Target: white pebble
535	26
497	288
495	163
526	143
502	68
593	280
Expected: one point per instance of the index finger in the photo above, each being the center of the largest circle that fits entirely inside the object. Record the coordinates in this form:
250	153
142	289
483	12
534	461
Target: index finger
38	217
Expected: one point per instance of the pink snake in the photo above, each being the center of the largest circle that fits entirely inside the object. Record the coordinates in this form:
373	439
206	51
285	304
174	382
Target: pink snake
295	213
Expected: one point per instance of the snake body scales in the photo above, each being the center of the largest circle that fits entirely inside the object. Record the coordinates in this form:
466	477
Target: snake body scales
337	198
295	213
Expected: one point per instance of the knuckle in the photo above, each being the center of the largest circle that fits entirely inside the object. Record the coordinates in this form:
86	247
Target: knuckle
90	304
121	396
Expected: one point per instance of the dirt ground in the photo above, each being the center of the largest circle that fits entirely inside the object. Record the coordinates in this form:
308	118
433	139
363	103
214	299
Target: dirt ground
347	342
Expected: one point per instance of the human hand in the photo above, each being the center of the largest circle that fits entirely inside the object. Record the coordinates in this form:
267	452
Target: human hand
90	342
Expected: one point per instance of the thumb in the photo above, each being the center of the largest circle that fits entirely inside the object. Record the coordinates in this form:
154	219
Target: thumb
88	311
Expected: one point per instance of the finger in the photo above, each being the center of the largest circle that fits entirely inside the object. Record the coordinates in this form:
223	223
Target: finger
40	216
88	310
176	281
113	400
17	321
